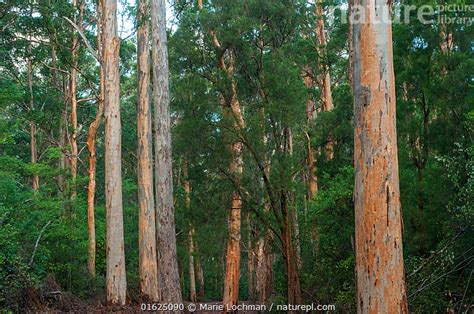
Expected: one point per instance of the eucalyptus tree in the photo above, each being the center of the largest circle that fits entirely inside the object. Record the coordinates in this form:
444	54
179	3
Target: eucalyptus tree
378	222
115	277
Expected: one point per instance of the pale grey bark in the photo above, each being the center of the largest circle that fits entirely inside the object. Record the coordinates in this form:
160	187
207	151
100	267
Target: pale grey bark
168	275
115	277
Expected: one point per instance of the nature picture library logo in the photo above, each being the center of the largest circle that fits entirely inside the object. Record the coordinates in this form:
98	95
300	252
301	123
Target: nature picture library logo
460	14
456	14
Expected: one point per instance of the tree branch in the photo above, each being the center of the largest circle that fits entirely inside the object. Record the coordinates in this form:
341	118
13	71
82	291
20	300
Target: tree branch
86	42
37	242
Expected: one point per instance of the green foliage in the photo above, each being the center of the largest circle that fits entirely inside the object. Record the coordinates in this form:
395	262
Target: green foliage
272	42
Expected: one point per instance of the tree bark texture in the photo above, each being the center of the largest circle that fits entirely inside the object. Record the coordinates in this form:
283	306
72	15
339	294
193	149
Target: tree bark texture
115	278
378	231
91	136
168	275
146	205
233	111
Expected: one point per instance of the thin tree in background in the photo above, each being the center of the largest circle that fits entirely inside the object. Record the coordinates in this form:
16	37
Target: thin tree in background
91	136
192	273
168	274
324	78
290	232
33	145
378	221
146	204
250	258
311	115
73	94
232	110
115	278
263	246
199	273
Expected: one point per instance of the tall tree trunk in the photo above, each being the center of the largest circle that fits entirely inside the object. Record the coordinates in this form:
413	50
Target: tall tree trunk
91	136
232	112
146	223
324	79
168	274
231	278
378	221
73	91
263	246
116	278
33	145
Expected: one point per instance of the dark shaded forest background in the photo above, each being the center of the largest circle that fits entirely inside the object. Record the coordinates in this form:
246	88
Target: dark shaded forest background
43	234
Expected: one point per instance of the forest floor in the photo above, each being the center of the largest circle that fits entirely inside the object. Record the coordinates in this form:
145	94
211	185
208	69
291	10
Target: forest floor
67	304
51	298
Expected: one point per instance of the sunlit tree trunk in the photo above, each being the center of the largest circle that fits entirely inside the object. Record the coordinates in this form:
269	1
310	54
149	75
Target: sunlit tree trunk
115	278
146	205
232	272
91	136
232	112
168	274
378	221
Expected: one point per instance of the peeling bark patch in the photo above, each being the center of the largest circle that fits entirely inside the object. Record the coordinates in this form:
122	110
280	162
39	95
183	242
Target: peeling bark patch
365	95
388	205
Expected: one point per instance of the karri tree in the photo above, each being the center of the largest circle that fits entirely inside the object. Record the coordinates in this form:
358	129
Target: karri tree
168	274
378	221
115	278
146	204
